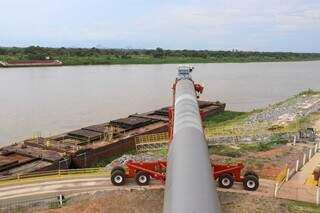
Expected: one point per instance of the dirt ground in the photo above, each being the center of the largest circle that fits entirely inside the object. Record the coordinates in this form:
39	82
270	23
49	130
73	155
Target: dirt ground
269	163
151	201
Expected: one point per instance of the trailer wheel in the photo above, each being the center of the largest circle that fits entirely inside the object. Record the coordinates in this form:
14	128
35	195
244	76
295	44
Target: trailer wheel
142	178
250	183
251	173
226	180
118	168
118	178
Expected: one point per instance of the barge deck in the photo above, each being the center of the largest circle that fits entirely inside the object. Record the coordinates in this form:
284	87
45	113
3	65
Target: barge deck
89	145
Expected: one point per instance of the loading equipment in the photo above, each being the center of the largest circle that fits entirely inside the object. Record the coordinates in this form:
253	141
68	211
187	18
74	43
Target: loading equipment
143	171
188	174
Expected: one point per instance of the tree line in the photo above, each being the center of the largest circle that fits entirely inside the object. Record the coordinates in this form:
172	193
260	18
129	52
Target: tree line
37	52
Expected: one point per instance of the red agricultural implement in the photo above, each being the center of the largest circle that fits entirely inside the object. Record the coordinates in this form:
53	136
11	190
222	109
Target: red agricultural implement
143	171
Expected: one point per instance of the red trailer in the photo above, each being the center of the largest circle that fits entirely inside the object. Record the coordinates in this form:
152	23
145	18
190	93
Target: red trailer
143	171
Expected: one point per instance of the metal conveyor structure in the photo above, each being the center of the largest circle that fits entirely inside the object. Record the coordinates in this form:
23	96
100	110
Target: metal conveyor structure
189	184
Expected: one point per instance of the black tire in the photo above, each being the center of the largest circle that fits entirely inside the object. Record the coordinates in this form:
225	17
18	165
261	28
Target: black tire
251	173
226	180
250	183
142	178
118	178
118	168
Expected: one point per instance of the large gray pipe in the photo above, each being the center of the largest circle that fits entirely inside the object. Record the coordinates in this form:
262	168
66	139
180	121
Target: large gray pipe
189	182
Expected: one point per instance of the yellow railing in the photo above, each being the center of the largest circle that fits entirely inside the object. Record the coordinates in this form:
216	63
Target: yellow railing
281	177
54	175
152	138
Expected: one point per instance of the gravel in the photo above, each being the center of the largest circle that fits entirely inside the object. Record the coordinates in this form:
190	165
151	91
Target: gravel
287	111
121	161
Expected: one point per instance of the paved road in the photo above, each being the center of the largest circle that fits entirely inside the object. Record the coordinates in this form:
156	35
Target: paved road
73	186
66	187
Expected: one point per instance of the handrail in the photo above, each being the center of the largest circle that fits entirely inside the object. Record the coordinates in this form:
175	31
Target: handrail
55	174
281	177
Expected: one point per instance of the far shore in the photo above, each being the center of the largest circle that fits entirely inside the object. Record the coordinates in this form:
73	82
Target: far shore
85	62
96	56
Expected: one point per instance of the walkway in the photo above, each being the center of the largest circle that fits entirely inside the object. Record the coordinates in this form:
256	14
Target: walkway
295	188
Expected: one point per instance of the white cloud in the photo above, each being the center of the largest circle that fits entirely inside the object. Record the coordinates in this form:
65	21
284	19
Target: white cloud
209	24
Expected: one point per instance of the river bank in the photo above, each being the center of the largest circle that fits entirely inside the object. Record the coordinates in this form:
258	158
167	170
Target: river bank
106	60
260	139
95	56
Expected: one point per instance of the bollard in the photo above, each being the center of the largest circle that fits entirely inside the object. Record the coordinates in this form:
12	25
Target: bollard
297	165
294	140
60	199
276	189
310	152
304	159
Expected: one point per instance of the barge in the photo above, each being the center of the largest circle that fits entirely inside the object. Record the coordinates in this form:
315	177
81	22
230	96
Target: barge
89	145
30	63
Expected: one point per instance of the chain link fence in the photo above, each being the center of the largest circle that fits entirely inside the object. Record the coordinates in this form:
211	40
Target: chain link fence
31	205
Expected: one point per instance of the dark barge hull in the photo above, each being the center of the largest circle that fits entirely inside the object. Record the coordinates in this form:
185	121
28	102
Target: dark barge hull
86	147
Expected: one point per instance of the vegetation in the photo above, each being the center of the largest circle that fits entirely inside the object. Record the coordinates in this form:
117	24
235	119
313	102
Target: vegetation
243	148
225	118
308	92
83	56
307	121
298	206
225	150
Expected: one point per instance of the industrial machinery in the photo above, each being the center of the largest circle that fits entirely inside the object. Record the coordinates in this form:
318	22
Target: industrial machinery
142	171
188	174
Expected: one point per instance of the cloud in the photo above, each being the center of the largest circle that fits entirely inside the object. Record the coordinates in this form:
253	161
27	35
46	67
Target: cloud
206	24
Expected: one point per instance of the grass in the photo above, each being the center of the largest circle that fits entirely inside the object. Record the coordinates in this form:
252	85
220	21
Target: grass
304	122
243	148
298	206
233	118
163	152
225	118
225	150
308	92
236	151
275	142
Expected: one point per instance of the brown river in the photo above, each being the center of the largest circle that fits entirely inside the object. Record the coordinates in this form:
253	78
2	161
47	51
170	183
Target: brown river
53	100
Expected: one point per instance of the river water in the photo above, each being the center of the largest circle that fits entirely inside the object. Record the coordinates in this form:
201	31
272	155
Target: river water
53	100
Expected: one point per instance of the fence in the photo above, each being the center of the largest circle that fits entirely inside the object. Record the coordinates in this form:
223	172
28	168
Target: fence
55	174
31	205
259	132
151	142
296	190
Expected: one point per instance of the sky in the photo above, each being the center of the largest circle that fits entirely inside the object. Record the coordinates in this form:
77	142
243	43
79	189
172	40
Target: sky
262	25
